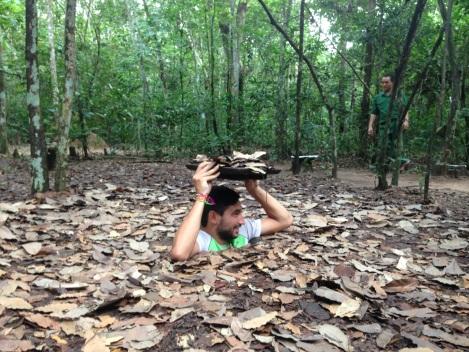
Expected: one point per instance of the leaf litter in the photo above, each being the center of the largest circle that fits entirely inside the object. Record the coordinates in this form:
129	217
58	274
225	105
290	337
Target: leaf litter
358	270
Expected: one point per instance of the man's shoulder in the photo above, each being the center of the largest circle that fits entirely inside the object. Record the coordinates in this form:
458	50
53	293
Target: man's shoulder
380	95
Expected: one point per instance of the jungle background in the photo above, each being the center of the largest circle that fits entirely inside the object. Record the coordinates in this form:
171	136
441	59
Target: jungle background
171	79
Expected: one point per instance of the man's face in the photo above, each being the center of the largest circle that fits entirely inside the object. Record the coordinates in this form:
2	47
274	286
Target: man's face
230	222
386	84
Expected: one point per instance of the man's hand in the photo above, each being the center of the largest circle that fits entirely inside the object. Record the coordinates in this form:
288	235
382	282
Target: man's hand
206	172
251	186
371	131
405	124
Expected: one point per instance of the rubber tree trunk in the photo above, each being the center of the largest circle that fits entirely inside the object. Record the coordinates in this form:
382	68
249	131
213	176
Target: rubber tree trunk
296	167
367	74
281	116
211	65
341	109
440	107
39	173
3	102
67	105
446	14
383	143
417	86
463	104
52	60
226	41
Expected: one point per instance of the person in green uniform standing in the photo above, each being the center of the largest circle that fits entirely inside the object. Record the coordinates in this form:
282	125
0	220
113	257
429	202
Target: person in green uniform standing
379	111
216	222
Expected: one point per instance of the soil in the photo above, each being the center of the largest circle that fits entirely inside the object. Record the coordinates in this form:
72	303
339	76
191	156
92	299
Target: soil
141	182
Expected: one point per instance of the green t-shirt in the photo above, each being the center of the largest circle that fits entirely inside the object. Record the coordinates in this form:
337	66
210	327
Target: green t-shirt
250	229
380	107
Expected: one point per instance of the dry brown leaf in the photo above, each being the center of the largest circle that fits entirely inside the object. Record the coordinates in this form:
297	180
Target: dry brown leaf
348	308
15	303
259	321
335	336
94	344
32	248
6	234
42	321
15	345
402	285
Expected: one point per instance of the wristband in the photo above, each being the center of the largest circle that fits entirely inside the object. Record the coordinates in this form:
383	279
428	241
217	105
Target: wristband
204	198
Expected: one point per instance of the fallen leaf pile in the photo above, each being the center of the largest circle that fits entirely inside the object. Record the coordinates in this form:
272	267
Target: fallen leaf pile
358	271
239	160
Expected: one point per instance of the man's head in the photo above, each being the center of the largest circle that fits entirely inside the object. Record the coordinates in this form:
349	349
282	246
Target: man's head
387	82
225	215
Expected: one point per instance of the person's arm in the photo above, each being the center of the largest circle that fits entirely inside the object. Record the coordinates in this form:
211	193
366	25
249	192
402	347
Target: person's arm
371	125
373	117
184	243
278	218
405	124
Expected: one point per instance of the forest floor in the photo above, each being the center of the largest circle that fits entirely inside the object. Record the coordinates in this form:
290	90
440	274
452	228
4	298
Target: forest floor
88	270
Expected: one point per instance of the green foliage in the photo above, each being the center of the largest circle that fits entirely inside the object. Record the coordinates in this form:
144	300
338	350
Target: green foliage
167	48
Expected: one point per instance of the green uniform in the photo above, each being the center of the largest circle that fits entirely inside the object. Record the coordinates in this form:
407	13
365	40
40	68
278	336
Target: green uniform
379	107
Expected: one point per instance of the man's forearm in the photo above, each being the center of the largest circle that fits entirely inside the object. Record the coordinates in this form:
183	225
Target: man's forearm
272	206
371	121
186	235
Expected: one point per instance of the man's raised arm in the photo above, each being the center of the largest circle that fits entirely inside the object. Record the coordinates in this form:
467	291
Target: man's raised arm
278	218
184	243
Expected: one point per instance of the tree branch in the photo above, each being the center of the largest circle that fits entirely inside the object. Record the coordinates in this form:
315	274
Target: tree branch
339	52
12	74
297	50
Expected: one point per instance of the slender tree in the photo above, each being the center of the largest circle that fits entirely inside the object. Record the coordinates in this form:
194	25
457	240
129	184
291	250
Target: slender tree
210	6
238	17
139	47
446	14
296	167
312	71
367	74
39	173
3	102
282	89
67	105
398	75
52	60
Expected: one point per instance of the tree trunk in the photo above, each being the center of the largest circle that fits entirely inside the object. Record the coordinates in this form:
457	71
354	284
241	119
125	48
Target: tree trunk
39	173
365	101
296	167
417	86
238	17
52	60
282	91
159	56
67	105
138	47
225	37
463	104
333	136
440	107
316	82
211	64
383	143
446	14
342	110
3	101
352	99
